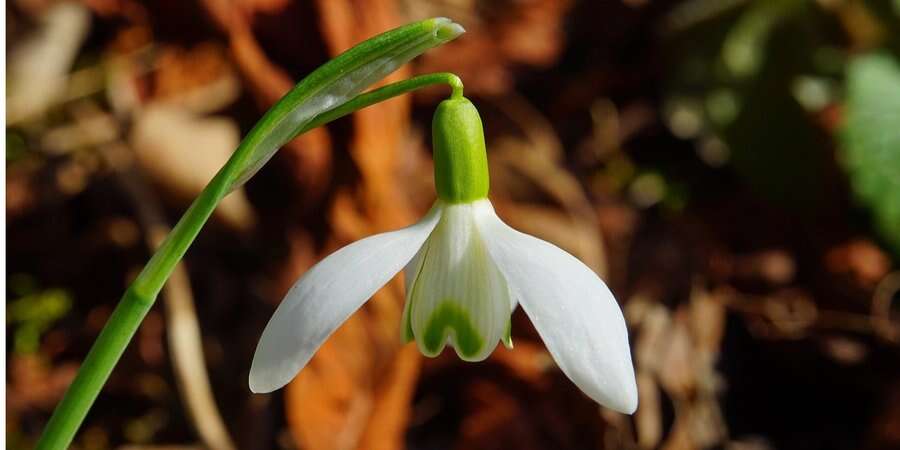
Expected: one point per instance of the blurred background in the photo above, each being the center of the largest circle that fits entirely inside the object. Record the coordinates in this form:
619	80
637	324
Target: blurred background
730	167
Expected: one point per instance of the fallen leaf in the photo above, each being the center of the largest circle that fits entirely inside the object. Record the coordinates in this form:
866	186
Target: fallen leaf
182	152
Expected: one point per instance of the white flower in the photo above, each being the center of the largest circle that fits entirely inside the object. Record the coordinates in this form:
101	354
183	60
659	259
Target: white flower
466	271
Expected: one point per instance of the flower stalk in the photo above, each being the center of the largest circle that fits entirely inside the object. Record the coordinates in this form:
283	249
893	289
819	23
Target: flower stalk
330	92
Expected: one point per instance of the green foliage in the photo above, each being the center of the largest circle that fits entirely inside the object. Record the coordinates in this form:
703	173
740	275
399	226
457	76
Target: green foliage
33	314
15	146
757	77
734	91
871	140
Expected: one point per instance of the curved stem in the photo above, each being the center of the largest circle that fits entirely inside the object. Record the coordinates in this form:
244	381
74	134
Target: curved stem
140	296
384	93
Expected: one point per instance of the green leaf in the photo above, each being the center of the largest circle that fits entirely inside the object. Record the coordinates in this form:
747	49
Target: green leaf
871	140
337	82
34	315
744	48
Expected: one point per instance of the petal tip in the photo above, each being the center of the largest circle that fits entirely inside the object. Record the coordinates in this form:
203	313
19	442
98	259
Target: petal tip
255	385
630	404
263	380
261	385
626	400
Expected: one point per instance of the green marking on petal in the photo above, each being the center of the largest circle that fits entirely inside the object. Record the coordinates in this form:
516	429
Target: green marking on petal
406	332
449	317
507	335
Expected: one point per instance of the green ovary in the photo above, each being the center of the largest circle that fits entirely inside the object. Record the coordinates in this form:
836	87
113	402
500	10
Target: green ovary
447	318
460	158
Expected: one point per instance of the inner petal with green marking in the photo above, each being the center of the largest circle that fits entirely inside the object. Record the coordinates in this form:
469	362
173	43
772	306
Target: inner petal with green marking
455	293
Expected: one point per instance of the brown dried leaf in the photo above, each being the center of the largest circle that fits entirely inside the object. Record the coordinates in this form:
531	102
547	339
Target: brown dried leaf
33	383
182	152
676	373
200	79
513	159
39	66
706	316
862	259
554	226
648	418
512	33
527	360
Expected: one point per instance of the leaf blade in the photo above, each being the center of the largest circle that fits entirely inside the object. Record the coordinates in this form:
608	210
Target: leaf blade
335	83
871	140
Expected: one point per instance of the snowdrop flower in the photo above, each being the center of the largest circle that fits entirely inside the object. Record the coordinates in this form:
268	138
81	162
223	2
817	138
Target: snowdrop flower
466	271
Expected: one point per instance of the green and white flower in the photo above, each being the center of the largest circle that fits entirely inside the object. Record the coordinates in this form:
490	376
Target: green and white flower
466	271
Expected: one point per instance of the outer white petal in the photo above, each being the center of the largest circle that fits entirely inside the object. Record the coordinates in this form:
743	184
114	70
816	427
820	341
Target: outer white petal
326	295
573	310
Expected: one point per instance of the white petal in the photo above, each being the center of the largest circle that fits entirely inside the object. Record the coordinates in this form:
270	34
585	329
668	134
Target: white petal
326	295
457	295
571	308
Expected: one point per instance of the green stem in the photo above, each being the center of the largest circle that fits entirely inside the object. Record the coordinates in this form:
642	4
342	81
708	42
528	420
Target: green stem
140	296
386	92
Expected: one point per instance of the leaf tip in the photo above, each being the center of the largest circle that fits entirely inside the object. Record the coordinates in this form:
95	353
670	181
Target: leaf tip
446	29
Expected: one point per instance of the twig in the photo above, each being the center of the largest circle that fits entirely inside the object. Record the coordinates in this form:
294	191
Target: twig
884	297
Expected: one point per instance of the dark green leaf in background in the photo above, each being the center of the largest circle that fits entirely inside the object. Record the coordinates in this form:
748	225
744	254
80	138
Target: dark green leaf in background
871	140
